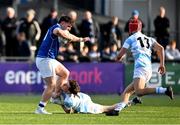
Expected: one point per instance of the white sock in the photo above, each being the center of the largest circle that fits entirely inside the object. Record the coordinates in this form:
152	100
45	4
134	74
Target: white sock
160	90
42	104
120	106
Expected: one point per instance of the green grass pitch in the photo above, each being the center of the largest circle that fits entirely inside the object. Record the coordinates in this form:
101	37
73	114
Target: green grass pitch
18	109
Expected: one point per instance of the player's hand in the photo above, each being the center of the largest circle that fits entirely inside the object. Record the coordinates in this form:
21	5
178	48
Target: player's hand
162	69
85	39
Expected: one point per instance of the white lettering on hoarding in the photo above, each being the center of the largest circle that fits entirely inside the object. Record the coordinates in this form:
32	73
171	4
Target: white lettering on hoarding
169	77
22	77
9	77
179	81
155	80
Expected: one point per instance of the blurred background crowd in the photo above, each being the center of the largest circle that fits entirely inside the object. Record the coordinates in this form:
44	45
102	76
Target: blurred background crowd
21	33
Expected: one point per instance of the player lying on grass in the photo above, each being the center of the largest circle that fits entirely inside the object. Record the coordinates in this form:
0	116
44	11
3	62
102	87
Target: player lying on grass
141	47
74	101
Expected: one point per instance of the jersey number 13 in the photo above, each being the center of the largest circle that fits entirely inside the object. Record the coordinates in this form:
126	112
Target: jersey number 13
144	42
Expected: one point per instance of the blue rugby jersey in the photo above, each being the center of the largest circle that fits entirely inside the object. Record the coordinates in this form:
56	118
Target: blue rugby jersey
50	44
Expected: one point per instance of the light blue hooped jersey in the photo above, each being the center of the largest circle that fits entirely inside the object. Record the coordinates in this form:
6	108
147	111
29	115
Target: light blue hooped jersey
80	102
141	48
50	44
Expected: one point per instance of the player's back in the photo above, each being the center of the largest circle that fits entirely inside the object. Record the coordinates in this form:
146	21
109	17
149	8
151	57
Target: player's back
141	48
78	102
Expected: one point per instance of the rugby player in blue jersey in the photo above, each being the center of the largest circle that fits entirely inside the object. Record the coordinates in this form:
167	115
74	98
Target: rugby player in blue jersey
53	72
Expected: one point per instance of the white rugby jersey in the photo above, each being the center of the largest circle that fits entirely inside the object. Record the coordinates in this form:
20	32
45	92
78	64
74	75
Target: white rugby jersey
82	103
141	48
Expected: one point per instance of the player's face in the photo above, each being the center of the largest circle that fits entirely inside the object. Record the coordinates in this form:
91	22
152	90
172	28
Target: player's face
65	87
66	26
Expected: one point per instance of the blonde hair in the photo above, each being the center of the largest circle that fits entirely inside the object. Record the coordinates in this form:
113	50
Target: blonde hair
30	12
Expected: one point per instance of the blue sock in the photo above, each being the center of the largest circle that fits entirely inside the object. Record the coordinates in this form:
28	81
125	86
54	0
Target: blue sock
160	90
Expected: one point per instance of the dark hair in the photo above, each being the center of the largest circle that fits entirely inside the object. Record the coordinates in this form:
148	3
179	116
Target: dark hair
66	19
74	87
53	10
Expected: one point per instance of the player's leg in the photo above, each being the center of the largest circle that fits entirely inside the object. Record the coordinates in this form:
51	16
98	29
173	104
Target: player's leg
50	85
127	93
61	82
140	90
125	99
63	74
108	108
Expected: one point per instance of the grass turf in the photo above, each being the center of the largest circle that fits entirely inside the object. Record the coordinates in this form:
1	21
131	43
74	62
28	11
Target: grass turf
18	109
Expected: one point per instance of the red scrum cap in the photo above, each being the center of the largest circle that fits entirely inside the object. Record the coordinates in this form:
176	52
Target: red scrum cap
134	26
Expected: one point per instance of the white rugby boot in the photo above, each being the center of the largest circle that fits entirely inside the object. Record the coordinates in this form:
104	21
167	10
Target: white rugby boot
41	110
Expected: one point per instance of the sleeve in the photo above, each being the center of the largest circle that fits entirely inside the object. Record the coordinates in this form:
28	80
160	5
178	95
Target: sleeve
68	102
127	43
38	34
153	41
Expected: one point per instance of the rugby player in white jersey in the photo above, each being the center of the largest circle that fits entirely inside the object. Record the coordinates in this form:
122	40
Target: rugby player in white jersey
141	47
74	101
46	61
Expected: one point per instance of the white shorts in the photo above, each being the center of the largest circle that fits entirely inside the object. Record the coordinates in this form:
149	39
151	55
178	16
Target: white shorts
94	108
143	73
46	66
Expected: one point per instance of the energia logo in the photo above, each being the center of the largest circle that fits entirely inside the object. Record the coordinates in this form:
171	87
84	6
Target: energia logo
22	77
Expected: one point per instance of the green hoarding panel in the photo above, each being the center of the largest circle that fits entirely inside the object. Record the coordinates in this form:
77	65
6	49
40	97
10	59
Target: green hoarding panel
172	76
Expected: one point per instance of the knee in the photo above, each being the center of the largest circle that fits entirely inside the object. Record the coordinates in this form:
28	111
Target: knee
66	74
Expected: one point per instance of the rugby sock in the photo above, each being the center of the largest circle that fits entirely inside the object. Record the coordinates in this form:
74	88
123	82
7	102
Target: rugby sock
120	106
160	90
42	104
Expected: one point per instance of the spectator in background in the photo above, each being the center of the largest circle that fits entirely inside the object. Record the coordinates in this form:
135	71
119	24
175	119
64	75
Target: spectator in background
9	25
112	32
83	57
135	15
106	55
171	52
94	54
23	46
74	30
71	54
2	40
114	52
31	28
47	22
162	24
89	28
61	55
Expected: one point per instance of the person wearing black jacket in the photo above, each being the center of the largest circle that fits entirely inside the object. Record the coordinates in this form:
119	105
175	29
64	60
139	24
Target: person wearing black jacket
9	25
162	24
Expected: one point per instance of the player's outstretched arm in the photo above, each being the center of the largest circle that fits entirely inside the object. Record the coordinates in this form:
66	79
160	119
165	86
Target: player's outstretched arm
121	54
70	37
160	52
